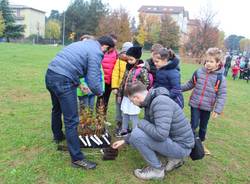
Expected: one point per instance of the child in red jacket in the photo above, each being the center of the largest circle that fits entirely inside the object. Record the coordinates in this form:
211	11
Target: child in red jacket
235	71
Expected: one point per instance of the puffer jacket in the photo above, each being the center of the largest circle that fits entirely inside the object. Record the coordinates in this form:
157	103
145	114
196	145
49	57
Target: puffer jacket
80	59
165	119
204	96
169	77
118	73
108	64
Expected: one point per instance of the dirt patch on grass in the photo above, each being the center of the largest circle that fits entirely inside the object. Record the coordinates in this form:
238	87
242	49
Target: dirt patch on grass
24	96
23	155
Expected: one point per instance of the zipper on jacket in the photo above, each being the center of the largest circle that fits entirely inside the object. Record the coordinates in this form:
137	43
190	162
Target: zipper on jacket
203	91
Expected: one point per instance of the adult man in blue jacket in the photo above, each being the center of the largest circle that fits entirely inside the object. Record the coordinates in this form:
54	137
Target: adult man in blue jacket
79	59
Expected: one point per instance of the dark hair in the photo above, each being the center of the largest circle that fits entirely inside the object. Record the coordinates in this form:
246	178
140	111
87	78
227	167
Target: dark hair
106	40
166	54
135	87
86	37
156	47
113	36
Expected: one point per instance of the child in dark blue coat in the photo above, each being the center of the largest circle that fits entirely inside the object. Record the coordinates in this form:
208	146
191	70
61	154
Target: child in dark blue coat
168	74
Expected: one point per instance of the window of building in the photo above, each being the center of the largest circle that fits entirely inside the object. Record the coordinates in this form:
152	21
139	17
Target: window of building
18	12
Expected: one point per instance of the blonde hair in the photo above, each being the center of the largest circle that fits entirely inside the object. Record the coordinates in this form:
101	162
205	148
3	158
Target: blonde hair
215	53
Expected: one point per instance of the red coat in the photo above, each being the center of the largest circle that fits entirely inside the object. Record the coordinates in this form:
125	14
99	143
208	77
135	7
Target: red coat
235	70
108	64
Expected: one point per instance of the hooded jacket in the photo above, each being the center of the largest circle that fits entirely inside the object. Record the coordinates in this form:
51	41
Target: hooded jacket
169	77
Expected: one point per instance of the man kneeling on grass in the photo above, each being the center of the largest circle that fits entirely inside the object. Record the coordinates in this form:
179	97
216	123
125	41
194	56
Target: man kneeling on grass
164	131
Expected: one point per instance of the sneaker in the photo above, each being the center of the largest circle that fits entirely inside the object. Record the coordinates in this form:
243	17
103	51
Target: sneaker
207	152
118	127
173	164
129	130
122	133
84	164
149	172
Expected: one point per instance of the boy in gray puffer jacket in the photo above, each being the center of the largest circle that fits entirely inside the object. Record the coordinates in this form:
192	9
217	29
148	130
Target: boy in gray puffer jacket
209	92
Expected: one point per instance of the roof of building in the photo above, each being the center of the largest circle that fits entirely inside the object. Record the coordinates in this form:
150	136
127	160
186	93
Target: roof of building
163	9
25	7
193	22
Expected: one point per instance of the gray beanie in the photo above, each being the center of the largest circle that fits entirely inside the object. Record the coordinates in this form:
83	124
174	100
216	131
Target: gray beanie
126	46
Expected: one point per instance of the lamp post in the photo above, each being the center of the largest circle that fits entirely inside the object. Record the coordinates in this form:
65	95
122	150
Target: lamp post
63	28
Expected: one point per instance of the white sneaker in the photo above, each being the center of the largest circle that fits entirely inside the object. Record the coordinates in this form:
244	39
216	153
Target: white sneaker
173	164
149	172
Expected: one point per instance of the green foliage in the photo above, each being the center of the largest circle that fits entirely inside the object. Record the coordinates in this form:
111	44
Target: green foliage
2	25
169	32
11	29
82	17
141	37
232	42
54	15
53	30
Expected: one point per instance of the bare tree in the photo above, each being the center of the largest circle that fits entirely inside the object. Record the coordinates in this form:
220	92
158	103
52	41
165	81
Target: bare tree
205	35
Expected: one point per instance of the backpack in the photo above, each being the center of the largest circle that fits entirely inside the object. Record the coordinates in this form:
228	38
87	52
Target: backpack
217	83
197	152
150	77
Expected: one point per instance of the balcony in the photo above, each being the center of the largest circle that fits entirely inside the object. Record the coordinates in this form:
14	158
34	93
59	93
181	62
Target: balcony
18	17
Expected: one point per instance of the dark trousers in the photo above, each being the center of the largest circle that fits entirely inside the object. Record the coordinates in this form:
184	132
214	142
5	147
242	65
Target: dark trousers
105	97
226	70
200	118
64	102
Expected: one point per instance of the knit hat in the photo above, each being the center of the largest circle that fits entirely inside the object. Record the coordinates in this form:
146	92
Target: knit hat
135	52
126	46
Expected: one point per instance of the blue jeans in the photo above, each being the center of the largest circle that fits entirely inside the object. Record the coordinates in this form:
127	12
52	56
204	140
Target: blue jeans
150	148
87	101
64	101
200	118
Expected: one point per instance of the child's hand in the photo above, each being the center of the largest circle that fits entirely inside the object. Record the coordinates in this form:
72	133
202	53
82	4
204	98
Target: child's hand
215	115
115	91
84	89
117	144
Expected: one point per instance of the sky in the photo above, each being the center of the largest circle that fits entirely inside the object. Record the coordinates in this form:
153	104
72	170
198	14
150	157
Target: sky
230	15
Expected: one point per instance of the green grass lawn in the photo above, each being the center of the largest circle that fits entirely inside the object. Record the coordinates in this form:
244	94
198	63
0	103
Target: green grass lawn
28	155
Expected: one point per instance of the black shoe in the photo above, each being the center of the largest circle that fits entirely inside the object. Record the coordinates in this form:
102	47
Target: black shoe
129	130
84	164
121	133
57	141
